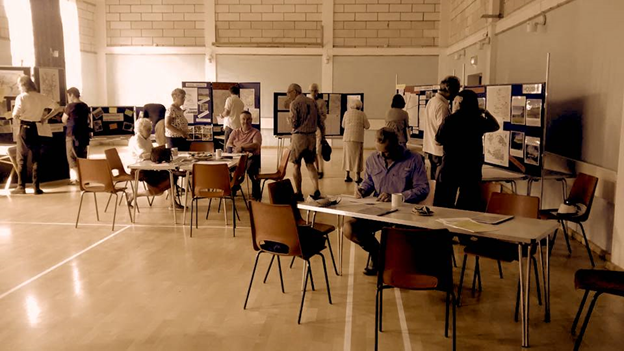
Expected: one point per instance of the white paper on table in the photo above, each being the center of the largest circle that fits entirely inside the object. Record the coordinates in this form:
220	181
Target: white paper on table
467	224
496	148
499	102
283	127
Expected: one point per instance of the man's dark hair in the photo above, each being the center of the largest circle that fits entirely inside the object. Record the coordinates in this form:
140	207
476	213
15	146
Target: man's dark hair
450	84
74	92
385	135
398	101
246	113
235	90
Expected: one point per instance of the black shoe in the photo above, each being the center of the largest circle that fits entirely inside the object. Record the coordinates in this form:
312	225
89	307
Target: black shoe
18	191
320	175
370	271
299	197
358	180
348	179
38	191
316	195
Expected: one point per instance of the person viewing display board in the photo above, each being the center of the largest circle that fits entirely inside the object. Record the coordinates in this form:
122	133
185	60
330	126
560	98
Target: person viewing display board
337	104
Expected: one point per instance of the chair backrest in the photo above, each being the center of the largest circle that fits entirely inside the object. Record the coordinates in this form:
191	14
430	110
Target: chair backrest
515	205
408	252
281	192
211	180
114	161
283	163
155	113
583	191
239	173
207	146
486	191
429	200
95	175
274	224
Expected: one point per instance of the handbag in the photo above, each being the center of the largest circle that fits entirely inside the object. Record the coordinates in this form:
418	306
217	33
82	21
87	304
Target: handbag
160	154
326	150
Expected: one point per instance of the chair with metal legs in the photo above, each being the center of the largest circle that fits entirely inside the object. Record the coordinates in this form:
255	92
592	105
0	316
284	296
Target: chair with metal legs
95	177
274	231
281	192
582	193
278	175
415	259
600	281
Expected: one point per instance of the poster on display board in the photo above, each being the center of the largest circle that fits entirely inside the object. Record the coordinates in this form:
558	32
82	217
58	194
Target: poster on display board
197	105
249	95
112	120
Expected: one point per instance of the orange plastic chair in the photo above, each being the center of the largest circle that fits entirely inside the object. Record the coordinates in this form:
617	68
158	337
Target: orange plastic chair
114	161
582	192
211	181
415	259
96	177
274	231
279	174
281	193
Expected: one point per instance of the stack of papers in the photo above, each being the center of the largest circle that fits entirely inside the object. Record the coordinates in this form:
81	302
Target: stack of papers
467	224
324	201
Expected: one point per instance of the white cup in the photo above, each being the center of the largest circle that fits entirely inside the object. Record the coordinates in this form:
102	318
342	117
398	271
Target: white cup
218	154
174	151
397	200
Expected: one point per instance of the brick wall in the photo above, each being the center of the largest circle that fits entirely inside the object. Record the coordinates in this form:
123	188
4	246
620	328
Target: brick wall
466	18
510	6
269	21
155	22
4	23
386	23
86	25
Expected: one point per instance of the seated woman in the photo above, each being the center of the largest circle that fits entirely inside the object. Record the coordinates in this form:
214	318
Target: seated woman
141	147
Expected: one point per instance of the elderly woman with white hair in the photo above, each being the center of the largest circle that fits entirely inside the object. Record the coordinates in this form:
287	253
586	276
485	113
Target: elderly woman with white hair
354	124
141	146
176	125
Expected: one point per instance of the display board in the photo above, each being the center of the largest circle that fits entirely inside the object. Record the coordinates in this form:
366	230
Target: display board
519	109
51	83
249	94
336	103
112	120
198	107
416	99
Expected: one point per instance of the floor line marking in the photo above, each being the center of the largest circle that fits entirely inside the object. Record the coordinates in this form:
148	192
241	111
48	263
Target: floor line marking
407	344
349	312
130	225
23	284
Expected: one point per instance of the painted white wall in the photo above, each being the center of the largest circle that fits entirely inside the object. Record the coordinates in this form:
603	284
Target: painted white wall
274	73
135	80
92	89
5	52
375	77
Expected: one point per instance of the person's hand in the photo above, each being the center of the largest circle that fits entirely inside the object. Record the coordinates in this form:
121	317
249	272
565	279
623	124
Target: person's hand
357	193
238	150
384	197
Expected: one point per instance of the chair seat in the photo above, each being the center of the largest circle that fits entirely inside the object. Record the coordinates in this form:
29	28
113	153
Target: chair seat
269	176
123	178
493	249
321	227
311	242
611	282
554	215
410	281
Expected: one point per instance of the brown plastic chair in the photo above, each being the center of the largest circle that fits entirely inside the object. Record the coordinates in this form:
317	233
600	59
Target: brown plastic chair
114	161
96	177
274	231
205	146
211	181
600	281
279	174
415	259
281	192
505	204
582	192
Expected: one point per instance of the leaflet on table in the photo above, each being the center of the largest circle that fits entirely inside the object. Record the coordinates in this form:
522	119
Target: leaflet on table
467	224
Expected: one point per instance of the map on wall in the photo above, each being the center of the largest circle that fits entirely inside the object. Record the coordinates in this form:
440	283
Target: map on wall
499	102
49	83
496	148
8	82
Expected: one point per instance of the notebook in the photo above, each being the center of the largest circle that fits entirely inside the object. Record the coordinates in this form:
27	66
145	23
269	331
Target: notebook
491	218
376	211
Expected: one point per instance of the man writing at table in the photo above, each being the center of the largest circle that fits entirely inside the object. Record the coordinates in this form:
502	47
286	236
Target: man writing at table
248	139
391	169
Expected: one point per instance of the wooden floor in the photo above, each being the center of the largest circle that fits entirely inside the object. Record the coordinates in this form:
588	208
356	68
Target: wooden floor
149	286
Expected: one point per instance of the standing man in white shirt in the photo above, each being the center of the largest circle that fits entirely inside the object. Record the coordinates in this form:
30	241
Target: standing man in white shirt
438	108
231	113
29	115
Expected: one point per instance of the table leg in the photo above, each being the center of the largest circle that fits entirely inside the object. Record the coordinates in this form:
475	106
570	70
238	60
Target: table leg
543	278
527	297
136	191
187	180
547	282
172	191
523	315
340	243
